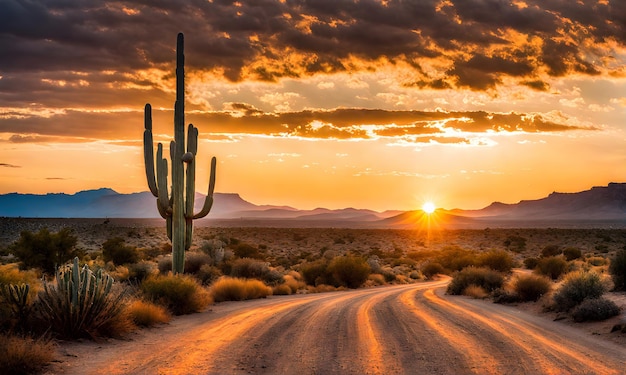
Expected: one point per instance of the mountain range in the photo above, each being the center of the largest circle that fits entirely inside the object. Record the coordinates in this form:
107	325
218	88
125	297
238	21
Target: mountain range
599	206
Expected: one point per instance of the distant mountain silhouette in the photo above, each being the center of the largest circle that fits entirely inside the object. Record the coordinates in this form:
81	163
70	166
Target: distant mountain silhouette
599	204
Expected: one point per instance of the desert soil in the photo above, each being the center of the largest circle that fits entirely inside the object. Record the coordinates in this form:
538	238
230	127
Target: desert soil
403	329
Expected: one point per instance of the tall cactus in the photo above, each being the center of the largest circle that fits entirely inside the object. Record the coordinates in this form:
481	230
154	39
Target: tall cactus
176	207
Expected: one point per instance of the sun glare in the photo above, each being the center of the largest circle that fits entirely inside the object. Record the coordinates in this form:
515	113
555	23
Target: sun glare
429	207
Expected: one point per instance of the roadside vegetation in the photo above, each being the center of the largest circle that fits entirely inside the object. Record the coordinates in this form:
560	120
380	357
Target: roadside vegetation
52	287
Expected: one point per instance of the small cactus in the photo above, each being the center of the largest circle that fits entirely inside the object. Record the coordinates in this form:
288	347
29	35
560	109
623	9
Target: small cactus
176	207
17	298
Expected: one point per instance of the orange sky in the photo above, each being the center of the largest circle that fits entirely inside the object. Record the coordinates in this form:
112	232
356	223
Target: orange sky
368	104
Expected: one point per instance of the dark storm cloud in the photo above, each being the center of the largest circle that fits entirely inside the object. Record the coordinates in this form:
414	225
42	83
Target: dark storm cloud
73	35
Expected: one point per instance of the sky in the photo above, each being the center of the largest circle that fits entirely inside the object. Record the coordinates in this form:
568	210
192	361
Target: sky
320	103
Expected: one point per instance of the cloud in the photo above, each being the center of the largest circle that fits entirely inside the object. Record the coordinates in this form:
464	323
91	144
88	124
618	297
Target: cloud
6	165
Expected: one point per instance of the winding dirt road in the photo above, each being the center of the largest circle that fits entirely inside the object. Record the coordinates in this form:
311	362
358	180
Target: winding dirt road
406	329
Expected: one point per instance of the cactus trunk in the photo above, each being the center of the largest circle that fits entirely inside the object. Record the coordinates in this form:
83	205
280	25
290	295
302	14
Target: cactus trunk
177	207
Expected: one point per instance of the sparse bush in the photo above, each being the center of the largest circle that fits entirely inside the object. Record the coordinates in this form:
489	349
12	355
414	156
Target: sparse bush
572	253
376	279
194	261
502	295
115	250
147	314
294	281
498	260
181	294
578	286
431	269
82	303
597	261
141	271
617	269
551	251
594	309
486	278
281	290
250	269
552	266
45	250
349	271
208	274
531	287
24	355
244	250
454	258
232	289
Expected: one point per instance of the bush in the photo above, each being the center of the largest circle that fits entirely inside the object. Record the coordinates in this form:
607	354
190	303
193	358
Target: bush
147	314
349	271
141	271
431	269
294	281
594	309
45	250
116	251
255	269
498	260
454	258
475	291
244	250
577	287
553	267
502	295
486	278
617	269
82	303
531	287
180	294
208	274
24	355
572	253
231	289
531	263
551	251
315	273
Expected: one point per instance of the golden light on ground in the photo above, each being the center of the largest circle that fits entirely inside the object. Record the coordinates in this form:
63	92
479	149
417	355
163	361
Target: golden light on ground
429	207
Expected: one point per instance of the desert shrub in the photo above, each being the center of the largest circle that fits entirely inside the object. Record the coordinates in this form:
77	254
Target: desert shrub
572	253
486	278
244	250
617	269
215	249
232	289
475	291
180	294
208	274
388	274
115	250
454	258
531	287
515	243
45	250
498	260
502	295
594	309
24	355
376	279
550	251
141	270
576	287
165	264
147	314
281	290
15	300
431	269
553	266
531	263
315	273
82	303
194	261
254	269
349	271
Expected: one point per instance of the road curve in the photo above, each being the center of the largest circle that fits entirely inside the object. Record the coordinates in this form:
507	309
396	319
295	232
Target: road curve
405	329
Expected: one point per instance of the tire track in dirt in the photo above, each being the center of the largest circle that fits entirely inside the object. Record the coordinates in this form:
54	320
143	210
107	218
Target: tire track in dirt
403	329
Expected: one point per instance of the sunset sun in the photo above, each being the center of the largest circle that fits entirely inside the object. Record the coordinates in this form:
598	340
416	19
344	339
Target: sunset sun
429	207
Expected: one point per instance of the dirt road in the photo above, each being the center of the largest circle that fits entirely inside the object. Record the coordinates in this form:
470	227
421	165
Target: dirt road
406	329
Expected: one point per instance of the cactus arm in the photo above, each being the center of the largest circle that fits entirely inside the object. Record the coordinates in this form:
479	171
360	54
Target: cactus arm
208	202
148	152
164	200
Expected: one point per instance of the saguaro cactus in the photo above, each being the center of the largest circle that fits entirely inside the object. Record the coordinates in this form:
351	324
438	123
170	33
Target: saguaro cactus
177	207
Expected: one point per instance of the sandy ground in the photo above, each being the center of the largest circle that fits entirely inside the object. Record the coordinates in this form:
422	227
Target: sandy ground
404	329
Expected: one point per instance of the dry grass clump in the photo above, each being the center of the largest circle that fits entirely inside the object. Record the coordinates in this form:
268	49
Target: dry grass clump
576	287
475	291
234	289
147	314
181	294
24	355
281	290
531	287
294	281
375	279
498	260
552	266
